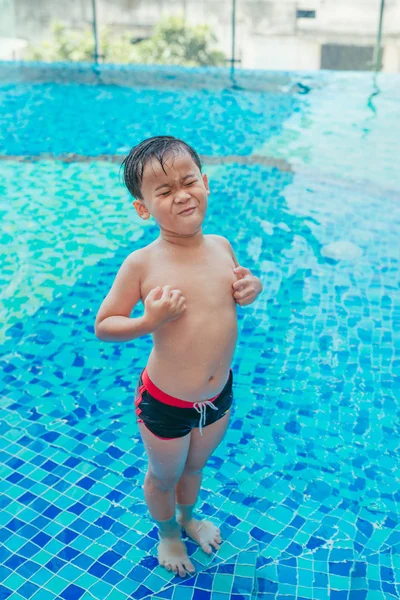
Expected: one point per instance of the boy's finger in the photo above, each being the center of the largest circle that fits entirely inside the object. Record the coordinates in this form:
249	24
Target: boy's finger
242	295
154	292
166	291
175	292
244	300
176	295
242	271
238	285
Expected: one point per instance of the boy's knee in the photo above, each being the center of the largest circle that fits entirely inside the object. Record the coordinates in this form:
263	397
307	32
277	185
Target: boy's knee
192	469
161	484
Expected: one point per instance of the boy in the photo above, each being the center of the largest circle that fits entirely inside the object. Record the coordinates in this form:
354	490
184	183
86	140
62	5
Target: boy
189	284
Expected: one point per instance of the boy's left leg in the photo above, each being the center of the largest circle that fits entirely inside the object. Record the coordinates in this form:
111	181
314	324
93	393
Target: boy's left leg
187	490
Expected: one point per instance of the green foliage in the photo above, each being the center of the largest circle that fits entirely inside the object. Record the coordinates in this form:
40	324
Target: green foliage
173	43
66	45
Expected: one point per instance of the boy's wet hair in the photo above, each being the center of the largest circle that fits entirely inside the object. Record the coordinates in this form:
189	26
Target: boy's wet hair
158	147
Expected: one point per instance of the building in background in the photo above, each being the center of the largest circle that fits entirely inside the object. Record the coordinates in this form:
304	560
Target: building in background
11	47
270	34
319	34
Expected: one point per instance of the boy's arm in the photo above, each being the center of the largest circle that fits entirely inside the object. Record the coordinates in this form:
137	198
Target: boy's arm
113	321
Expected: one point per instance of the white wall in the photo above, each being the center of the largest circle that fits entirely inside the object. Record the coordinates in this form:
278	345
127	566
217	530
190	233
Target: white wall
7	19
281	53
391	58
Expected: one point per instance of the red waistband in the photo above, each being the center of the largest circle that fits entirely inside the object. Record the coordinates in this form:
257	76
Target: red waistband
165	398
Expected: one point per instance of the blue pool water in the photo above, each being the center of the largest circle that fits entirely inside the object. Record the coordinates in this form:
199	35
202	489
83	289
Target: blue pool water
305	183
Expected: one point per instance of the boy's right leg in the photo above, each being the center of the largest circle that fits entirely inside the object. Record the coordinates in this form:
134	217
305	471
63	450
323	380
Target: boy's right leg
167	460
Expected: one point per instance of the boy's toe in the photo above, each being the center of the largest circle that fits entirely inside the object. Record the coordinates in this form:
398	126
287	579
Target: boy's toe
182	570
189	567
207	548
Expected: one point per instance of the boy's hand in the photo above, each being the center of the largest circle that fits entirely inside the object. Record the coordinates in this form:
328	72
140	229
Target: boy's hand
163	305
247	288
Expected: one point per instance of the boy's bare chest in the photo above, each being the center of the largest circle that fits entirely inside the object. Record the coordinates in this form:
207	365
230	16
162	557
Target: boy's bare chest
207	279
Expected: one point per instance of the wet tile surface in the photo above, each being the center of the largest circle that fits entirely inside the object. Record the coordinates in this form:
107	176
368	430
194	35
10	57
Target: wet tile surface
305	485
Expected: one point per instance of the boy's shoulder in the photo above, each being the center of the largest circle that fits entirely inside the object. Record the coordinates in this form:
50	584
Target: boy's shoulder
225	243
137	260
219	238
140	254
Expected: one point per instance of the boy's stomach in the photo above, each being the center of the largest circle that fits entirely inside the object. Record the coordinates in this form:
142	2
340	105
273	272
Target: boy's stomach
192	356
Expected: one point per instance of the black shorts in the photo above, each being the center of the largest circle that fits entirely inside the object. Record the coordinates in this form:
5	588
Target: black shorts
168	417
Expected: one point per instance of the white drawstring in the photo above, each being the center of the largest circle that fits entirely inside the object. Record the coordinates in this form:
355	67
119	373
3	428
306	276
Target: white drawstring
199	407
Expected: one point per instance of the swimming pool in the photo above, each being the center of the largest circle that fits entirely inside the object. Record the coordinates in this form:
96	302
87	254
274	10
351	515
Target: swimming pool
305	183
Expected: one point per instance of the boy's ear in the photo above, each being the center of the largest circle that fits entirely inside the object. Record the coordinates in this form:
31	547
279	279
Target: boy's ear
205	179
141	210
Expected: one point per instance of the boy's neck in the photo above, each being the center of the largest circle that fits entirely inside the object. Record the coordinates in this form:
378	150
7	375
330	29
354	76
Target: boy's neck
190	241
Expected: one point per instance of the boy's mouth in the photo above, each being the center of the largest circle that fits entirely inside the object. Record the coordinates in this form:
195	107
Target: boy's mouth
188	211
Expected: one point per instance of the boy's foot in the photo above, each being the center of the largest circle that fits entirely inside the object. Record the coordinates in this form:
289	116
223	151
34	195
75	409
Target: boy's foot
173	556
203	532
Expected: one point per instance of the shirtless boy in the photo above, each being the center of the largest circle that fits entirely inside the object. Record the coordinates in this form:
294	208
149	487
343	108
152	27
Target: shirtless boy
189	284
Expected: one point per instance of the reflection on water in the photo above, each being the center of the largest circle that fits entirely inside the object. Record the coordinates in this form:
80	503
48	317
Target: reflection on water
304	480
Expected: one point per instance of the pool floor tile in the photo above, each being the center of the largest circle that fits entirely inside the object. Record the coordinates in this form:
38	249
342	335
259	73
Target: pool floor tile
303	483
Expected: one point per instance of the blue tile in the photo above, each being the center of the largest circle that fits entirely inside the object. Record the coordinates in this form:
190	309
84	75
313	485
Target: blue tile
112	577
28	550
4	592
15	525
98	570
28	589
77	508
55	564
14	561
72	592
138	573
52	512
141	592
68	553
201	595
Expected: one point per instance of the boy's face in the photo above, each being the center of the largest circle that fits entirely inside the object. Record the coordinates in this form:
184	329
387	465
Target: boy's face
167	195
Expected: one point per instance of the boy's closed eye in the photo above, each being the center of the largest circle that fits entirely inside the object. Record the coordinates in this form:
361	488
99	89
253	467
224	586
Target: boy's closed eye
186	185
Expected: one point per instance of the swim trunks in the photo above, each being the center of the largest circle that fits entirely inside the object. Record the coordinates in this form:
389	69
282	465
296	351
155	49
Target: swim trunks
169	418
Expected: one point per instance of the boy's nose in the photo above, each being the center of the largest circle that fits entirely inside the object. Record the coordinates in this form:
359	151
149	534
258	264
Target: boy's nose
182	196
